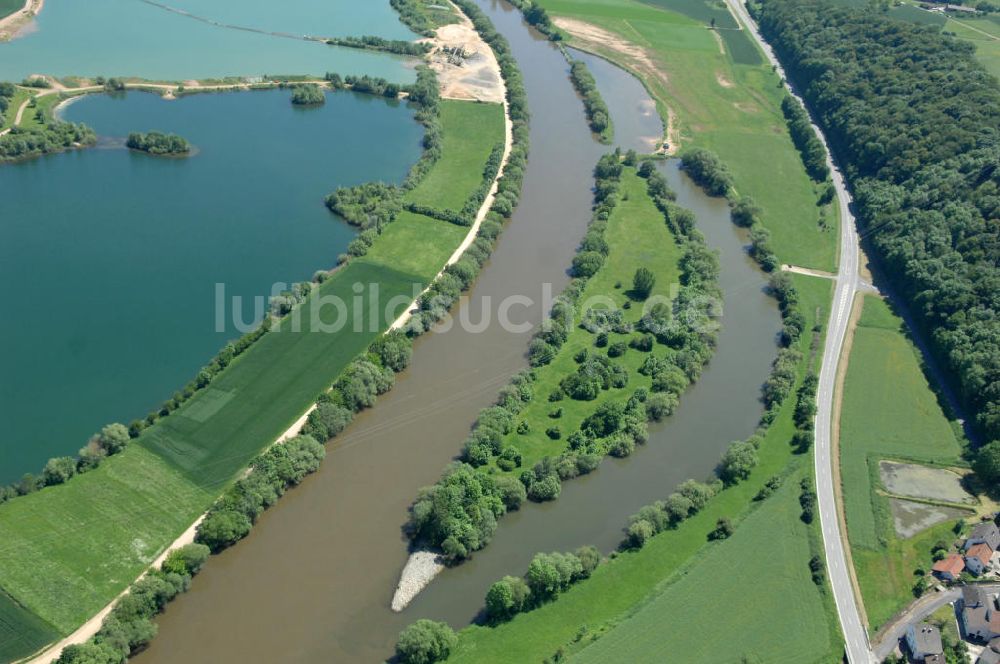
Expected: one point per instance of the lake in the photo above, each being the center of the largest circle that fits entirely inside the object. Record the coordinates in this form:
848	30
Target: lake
120	252
144	39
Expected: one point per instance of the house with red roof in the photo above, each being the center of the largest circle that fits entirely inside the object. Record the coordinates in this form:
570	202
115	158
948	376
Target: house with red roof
977	558
949	567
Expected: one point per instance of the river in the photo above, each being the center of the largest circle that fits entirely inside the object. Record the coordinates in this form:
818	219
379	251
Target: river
122	251
144	39
314	580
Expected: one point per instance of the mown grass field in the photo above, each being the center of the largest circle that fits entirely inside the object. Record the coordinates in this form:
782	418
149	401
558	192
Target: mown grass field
723	104
638	236
21	632
44	106
635	578
756	578
889	411
471	131
984	34
66	551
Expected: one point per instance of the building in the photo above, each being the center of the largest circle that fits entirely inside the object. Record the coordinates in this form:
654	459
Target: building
923	640
949	567
980	619
990	655
977	558
984	533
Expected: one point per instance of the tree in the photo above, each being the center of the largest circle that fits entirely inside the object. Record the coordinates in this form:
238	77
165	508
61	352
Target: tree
738	461
425	642
59	470
643	282
723	529
222	528
638	533
987	463
507	597
113	438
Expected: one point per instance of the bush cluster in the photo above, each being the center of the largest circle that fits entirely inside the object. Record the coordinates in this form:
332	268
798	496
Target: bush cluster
157	143
708	171
130	626
597	111
425	642
538	18
307	94
689	499
548	575
413	16
54	136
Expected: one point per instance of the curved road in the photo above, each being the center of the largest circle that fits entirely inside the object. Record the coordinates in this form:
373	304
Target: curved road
848	283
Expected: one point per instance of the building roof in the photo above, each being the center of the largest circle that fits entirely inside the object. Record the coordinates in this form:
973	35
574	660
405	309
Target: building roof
934	659
976	620
989	656
981	551
952	564
926	639
985	530
995	644
972	596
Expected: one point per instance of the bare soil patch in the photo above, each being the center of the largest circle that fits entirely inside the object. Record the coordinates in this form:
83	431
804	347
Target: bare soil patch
466	67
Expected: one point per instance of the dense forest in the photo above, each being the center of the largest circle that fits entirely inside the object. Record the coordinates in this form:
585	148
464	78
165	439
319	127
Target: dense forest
915	121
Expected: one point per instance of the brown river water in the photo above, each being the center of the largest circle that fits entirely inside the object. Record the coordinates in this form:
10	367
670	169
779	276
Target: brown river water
313	581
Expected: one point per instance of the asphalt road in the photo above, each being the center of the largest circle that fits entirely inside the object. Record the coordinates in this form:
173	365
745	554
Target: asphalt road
847	282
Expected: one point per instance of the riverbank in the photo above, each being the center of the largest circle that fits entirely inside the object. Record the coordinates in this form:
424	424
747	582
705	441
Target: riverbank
11	24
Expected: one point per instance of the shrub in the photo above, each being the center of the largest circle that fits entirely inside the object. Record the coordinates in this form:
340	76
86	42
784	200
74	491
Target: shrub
723	529
425	642
738	461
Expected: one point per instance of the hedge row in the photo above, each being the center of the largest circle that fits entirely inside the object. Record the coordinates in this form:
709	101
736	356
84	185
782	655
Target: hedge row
806	142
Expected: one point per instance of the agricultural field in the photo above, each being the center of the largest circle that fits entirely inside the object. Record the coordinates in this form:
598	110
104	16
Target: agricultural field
757	577
638	236
984	34
889	412
720	95
113	521
635	578
473	130
21	632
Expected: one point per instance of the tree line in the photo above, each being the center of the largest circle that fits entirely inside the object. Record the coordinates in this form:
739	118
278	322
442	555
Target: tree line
373	43
916	121
597	111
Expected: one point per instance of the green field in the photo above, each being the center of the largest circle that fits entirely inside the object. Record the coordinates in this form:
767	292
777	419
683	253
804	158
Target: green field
634	578
68	550
756	579
984	34
638	236
21	632
889	411
722	104
472	132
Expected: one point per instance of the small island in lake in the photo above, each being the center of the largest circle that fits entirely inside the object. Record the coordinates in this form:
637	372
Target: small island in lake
308	95
159	144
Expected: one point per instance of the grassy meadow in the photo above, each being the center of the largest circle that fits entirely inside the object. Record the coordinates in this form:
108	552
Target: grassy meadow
67	550
889	412
635	579
473	131
638	236
756	577
724	98
21	632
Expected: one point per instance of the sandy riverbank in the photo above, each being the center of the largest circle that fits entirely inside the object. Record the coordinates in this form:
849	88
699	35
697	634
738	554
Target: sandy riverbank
11	25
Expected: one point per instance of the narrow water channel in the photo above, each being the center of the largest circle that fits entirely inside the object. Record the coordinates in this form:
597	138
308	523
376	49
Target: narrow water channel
314	580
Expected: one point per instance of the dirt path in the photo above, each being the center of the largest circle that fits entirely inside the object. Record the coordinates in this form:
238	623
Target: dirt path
632	57
808	271
838	402
10	25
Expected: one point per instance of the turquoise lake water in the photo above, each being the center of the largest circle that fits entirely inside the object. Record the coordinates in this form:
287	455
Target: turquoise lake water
136	38
119	253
